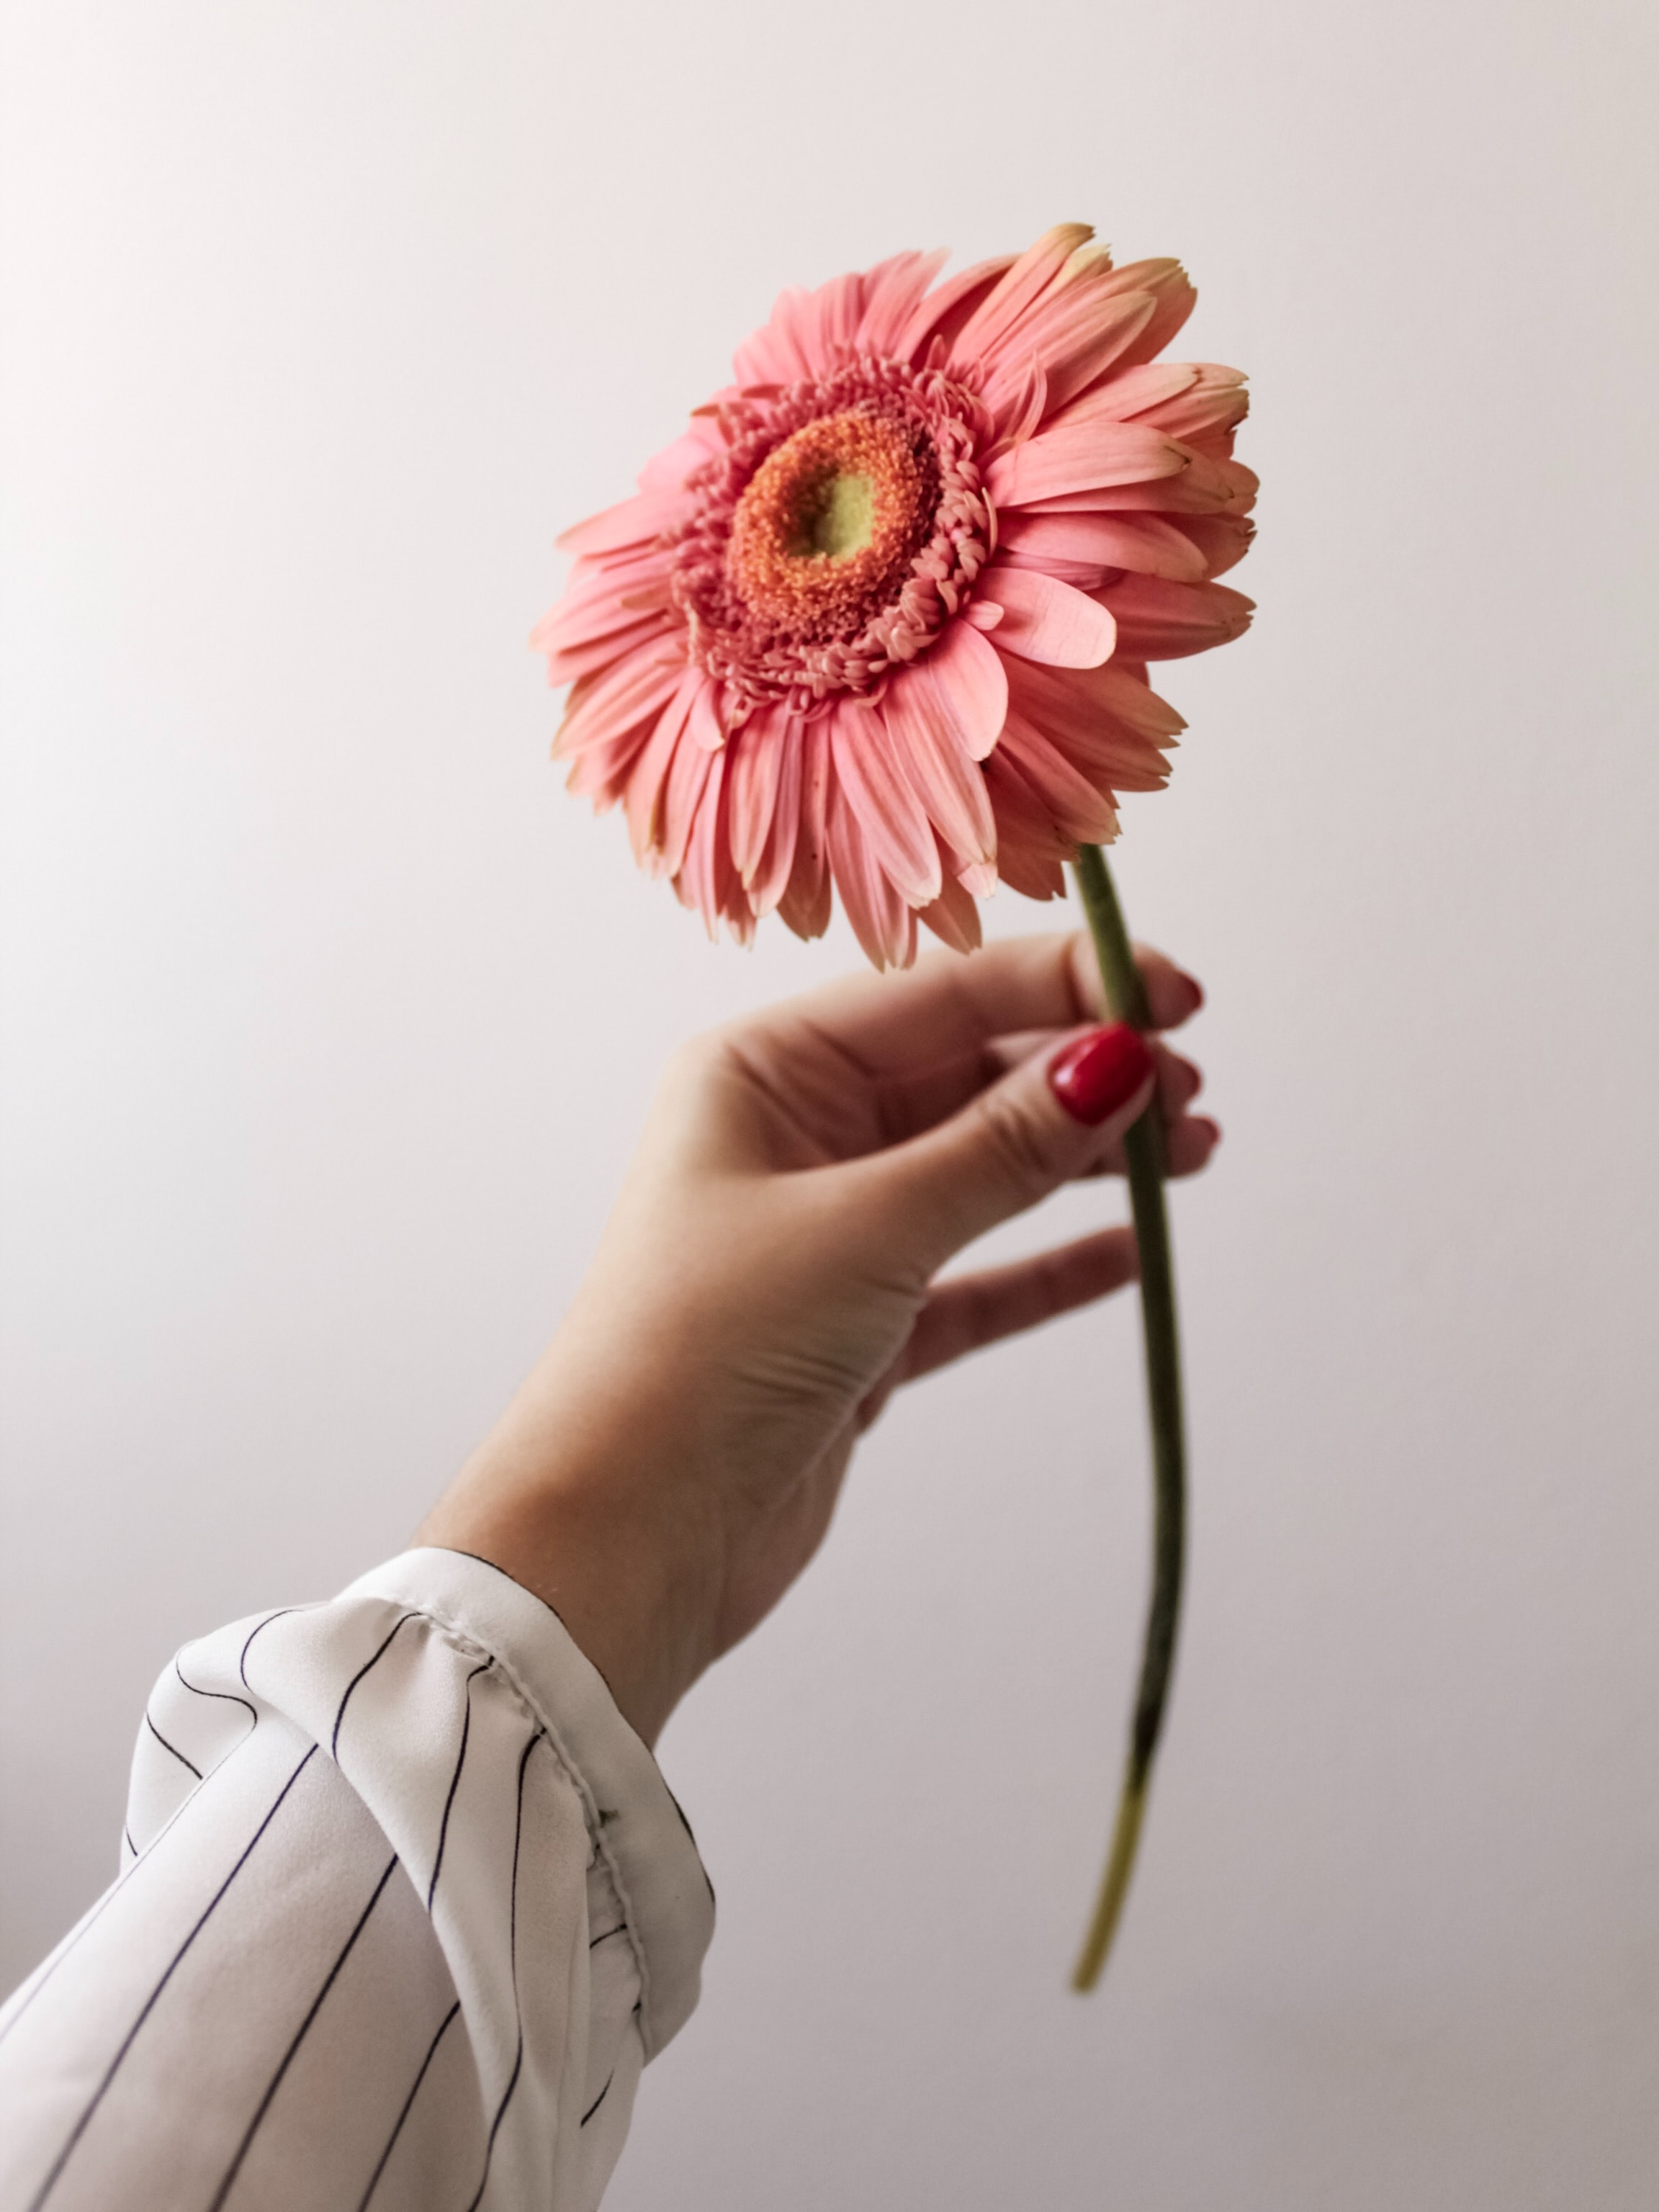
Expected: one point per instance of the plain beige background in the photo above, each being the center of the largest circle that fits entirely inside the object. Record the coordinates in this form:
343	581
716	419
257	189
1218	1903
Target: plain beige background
328	1020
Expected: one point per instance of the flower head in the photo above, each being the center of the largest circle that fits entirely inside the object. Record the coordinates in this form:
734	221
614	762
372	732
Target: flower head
879	621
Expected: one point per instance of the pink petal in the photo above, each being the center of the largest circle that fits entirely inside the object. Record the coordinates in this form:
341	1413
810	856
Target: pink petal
1062	700
881	922
1059	463
1044	619
1018	291
1161	621
771	877
568	664
953	917
895	826
806	904
757	754
830	317
696	879
1082	576
1114	729
945	775
961	685
650	771
943	313
631	522
706	724
1212	405
1029	849
1221	540
666	472
893	291
1204	487
604	706
1143	543
773	354
1077	334
1124	394
601	772
689	772
1019	405
1176	297
1081	813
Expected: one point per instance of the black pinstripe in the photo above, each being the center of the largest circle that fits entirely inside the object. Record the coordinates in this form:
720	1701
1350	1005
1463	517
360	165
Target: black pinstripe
513	1955
55	2173
173	1747
226	1696
367	1667
454	1782
414	2091
299	2035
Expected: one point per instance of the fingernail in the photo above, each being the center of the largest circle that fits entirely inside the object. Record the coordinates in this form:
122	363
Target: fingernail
1100	1072
1194	986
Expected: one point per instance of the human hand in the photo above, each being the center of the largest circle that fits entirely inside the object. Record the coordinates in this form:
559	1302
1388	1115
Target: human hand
767	1278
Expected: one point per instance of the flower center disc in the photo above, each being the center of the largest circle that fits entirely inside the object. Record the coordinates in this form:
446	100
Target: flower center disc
829	522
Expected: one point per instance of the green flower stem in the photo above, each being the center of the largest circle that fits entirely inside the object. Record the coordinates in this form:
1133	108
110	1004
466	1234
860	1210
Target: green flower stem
1126	997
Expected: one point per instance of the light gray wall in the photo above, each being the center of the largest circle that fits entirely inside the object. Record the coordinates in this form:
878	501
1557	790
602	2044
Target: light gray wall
329	1021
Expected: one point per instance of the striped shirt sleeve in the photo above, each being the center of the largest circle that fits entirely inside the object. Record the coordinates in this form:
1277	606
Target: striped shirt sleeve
403	1907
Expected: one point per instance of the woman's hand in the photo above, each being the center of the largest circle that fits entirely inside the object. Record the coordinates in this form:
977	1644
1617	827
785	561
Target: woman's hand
767	1277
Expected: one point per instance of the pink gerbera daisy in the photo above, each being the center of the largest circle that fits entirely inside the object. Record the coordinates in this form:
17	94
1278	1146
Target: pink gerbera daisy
880	619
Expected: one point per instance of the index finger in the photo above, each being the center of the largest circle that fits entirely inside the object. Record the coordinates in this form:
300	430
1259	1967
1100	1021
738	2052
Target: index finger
949	1004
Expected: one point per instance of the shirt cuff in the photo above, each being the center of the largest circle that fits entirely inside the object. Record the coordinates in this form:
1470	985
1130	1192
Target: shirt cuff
632	1816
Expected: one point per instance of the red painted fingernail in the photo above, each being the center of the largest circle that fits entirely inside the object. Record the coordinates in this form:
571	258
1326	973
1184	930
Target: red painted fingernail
1194	986
1100	1072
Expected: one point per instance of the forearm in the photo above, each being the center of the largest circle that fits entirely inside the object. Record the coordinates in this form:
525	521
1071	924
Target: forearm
349	1950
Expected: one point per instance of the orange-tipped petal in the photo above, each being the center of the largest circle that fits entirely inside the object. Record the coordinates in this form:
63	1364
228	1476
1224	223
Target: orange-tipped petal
1017	292
1045	620
1171	286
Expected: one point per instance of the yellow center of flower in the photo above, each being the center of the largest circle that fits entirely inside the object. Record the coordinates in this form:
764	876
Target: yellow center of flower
843	519
828	523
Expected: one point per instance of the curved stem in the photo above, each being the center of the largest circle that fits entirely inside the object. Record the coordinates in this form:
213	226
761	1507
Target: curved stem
1126	996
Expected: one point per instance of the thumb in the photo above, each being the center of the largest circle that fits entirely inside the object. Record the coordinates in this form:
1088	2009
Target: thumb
1043	1123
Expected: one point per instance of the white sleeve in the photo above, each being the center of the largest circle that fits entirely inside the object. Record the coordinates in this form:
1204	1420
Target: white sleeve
404	1906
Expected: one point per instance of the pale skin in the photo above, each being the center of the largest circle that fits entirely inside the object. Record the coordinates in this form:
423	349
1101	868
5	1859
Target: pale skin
771	1273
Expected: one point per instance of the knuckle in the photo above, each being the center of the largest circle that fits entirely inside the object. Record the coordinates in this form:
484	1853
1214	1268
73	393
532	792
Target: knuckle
1016	1146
